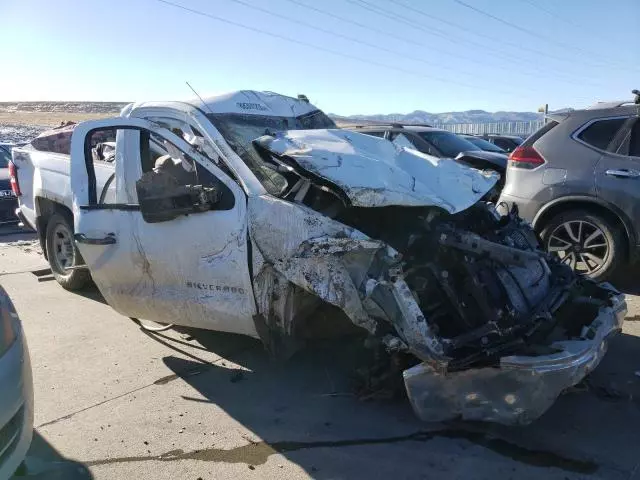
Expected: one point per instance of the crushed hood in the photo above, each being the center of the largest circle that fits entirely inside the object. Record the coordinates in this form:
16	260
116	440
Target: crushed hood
373	172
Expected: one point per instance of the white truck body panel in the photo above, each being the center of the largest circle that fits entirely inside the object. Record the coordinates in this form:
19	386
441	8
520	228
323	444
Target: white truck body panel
192	270
47	175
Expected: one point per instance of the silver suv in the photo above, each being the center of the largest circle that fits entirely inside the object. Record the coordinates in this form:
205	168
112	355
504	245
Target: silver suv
577	180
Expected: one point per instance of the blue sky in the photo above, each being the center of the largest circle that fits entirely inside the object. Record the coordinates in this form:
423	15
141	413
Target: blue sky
567	53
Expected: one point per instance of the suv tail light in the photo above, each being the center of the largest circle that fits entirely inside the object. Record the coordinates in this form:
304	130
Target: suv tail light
525	157
13	179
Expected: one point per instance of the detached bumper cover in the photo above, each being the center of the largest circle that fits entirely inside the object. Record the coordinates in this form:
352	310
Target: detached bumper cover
521	388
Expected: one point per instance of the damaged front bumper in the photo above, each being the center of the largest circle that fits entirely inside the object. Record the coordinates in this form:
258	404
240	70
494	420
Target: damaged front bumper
521	388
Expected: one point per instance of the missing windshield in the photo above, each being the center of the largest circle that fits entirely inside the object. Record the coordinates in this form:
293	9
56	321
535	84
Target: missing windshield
240	130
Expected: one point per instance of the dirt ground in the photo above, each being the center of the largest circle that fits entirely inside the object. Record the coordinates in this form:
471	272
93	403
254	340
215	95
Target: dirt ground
22	126
47	118
53	118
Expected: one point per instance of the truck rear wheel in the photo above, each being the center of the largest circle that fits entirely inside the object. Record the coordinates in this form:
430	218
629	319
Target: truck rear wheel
63	254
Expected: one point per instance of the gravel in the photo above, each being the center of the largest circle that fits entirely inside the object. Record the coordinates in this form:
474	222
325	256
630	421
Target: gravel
16	133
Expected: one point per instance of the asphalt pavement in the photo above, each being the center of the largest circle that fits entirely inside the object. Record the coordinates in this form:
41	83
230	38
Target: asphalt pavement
116	402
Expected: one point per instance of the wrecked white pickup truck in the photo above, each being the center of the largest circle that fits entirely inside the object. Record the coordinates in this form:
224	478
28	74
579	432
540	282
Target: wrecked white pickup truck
243	213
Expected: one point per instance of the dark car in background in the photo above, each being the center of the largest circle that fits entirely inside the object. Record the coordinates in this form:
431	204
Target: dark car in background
577	180
484	144
439	143
8	201
508	143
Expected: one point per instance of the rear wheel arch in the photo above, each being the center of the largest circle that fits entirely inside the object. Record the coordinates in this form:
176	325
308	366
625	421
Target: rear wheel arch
610	212
45	209
588	237
65	260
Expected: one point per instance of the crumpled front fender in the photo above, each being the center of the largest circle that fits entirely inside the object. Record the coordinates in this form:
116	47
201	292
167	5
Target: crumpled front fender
300	247
338	264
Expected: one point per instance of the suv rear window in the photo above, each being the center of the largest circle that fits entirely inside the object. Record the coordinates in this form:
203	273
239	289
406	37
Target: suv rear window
539	133
600	133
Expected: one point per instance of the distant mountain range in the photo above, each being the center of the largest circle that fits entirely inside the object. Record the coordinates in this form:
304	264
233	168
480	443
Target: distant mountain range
420	116
67	107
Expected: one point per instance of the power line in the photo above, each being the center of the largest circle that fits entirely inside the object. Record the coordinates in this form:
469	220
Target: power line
376	46
449	81
550	13
434	32
353	22
398	18
346	37
532	33
376	30
391	35
320	48
482	35
504	22
380	11
563	19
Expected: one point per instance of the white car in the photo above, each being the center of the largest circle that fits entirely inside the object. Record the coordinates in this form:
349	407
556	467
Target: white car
16	390
245	212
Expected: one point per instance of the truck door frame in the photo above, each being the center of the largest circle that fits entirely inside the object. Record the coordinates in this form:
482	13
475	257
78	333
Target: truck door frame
203	312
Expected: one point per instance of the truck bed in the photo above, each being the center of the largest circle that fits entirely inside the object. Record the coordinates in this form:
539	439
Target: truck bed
47	175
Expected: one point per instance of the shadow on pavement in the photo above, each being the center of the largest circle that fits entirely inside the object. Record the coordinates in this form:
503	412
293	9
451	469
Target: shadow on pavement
306	410
45	463
10	232
92	293
226	345
599	418
303	406
628	279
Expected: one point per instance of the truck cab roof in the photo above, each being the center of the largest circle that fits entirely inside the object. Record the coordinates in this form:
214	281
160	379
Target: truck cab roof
249	102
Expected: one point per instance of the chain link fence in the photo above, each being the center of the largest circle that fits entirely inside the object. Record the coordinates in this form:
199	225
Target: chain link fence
522	129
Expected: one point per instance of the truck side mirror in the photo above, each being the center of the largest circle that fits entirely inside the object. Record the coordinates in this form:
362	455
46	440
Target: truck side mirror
161	198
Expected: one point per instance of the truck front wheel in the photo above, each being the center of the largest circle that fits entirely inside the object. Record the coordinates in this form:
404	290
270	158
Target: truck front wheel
63	254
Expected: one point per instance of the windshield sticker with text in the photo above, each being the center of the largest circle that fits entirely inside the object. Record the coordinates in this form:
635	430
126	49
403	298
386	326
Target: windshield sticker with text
251	106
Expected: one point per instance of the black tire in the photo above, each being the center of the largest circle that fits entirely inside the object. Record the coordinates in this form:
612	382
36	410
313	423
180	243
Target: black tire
59	226
612	256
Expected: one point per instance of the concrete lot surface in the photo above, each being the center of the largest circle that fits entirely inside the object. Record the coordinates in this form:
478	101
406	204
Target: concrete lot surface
115	402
